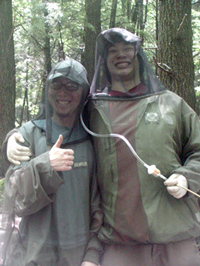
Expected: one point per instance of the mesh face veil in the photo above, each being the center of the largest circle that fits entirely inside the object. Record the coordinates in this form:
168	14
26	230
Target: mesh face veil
75	72
110	37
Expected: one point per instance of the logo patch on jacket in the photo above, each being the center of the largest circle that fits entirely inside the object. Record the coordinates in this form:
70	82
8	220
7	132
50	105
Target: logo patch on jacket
151	117
80	164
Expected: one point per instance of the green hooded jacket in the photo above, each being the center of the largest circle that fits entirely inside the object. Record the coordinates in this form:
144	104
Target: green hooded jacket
165	132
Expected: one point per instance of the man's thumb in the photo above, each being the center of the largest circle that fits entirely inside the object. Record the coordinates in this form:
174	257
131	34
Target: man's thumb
59	141
18	137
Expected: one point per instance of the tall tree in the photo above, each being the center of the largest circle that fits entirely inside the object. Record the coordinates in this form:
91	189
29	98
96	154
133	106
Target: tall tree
47	49
92	29
176	68
113	13
138	17
7	73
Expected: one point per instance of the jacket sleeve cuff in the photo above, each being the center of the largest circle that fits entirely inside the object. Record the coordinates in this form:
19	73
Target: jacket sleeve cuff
92	255
50	179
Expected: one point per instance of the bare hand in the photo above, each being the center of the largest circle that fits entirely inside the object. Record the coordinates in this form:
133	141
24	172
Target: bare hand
88	263
16	152
61	159
172	184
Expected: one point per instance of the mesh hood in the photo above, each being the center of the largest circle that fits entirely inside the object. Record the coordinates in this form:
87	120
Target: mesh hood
110	37
70	69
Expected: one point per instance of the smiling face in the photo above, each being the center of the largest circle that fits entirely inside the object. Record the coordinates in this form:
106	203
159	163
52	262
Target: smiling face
121	62
64	97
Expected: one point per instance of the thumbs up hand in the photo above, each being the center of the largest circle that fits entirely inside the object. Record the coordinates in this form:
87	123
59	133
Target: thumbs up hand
61	159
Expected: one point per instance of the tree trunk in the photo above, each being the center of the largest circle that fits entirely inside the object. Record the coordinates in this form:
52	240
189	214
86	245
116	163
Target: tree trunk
113	13
176	70
156	22
92	29
137	14
47	49
47	53
7	74
129	2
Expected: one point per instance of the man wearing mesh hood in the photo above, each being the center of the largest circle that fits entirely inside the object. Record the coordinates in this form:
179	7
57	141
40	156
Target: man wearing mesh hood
58	203
146	221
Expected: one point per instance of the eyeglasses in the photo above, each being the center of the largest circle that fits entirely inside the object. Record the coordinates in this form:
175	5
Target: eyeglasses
59	85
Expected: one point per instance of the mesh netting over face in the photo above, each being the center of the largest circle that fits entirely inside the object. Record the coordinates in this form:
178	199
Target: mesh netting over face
73	71
102	78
